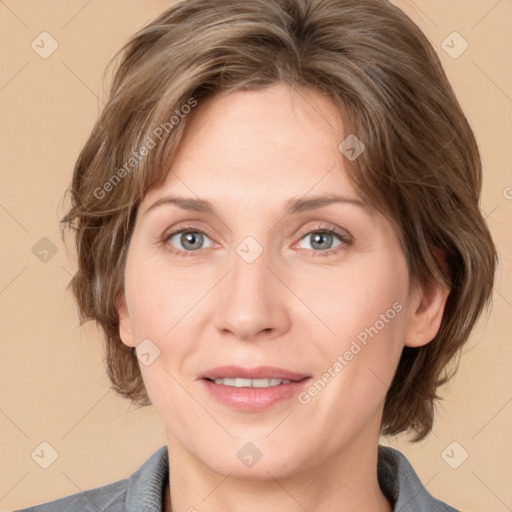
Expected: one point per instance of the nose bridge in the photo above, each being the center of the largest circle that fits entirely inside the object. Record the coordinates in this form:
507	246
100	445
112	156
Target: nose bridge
251	301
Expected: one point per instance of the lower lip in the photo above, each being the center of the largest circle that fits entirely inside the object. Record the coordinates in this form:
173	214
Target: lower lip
253	399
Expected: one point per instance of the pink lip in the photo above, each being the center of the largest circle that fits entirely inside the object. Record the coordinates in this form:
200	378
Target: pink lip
253	399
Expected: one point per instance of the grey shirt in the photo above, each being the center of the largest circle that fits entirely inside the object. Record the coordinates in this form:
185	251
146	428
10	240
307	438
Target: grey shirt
143	491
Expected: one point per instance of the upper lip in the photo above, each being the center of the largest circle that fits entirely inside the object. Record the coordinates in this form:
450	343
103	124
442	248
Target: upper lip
256	372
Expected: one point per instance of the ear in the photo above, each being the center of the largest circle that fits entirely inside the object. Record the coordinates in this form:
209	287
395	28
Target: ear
426	309
125	332
425	314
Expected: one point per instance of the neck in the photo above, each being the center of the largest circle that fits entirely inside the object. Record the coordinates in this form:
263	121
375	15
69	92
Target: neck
347	482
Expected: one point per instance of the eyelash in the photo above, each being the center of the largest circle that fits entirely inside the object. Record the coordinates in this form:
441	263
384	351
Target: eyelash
344	239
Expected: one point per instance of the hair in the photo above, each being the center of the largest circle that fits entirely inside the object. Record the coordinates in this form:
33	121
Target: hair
421	167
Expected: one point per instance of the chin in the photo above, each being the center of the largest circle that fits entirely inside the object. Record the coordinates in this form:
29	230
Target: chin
261	470
251	460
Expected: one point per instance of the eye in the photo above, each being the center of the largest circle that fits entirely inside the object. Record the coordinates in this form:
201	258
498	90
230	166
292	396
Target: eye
325	240
188	240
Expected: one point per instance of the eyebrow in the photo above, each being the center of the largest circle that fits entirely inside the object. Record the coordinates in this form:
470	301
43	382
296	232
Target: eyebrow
293	205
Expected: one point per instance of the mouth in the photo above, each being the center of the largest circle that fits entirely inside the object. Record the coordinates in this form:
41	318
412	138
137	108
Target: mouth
239	382
252	389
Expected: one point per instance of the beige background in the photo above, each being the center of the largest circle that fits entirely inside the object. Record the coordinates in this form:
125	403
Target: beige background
53	386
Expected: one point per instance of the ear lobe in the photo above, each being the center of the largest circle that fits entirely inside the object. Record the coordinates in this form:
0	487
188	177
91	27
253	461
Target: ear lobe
124	322
425	314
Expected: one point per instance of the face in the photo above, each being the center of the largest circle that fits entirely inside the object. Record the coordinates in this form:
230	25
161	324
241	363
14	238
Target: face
239	270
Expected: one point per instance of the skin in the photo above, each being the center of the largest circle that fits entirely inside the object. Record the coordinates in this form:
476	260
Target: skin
294	307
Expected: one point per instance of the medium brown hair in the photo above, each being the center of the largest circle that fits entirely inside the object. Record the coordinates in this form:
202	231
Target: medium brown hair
421	167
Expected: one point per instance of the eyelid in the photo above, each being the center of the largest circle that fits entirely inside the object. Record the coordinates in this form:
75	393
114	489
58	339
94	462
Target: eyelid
171	232
181	228
343	234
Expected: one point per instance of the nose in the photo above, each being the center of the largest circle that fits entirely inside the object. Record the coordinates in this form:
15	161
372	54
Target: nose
253	301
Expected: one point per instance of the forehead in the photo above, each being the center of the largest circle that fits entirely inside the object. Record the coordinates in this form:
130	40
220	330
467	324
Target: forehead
274	143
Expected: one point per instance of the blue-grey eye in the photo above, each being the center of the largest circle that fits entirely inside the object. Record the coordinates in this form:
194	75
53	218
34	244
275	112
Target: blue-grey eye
321	240
189	240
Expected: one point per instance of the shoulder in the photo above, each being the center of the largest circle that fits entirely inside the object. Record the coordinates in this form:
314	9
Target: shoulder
401	484
111	497
142	491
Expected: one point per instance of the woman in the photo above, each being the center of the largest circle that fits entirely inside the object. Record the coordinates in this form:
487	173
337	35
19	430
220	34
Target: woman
278	230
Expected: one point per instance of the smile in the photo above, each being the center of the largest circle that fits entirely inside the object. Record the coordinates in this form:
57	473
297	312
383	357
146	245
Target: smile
251	383
252	389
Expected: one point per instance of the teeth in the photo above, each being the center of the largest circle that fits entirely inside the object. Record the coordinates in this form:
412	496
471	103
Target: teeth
252	383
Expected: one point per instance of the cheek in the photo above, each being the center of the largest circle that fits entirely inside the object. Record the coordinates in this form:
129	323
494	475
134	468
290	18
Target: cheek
163	307
366	295
364	308
159	295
